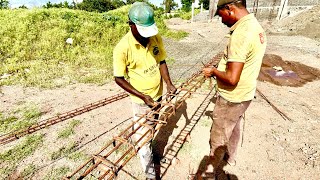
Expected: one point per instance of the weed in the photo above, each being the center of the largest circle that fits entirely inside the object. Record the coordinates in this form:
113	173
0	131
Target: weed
11	158
28	170
34	50
65	133
63	151
206	122
20	118
77	156
57	174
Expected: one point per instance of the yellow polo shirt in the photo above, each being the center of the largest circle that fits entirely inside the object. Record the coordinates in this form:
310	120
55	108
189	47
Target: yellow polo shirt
140	65
247	44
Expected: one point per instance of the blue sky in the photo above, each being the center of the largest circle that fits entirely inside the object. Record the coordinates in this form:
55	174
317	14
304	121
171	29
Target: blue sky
32	3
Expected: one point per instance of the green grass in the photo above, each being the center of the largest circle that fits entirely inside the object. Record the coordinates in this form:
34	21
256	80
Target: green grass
28	171
10	159
65	133
34	51
64	151
22	117
183	15
57	174
77	156
205	122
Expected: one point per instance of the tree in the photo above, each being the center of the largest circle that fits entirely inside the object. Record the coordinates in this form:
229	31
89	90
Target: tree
23	7
186	5
170	5
65	4
4	4
96	5
205	3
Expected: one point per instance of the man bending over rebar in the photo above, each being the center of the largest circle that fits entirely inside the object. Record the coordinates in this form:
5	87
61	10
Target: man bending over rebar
140	56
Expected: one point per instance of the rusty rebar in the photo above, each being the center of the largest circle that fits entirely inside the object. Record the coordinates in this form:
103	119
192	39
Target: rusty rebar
6	138
165	109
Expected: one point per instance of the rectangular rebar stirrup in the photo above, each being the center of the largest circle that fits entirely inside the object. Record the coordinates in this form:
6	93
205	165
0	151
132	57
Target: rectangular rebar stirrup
125	141
189	84
150	128
113	167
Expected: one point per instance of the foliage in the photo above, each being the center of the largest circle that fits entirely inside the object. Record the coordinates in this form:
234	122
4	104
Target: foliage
20	118
99	5
64	4
23	7
34	51
69	130
170	5
186	5
184	15
57	174
4	4
77	156
12	157
63	151
28	170
205	3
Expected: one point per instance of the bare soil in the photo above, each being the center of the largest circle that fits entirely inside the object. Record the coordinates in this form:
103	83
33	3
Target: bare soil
271	147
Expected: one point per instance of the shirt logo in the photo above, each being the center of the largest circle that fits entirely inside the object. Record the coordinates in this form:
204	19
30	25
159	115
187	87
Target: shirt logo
156	50
261	38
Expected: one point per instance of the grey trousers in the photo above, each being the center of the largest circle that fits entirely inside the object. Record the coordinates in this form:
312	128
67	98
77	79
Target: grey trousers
145	153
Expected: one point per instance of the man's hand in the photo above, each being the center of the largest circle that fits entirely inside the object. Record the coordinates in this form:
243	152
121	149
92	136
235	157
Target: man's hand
149	101
171	88
208	71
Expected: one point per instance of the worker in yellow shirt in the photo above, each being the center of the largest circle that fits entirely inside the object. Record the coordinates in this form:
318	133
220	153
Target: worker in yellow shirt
236	76
140	56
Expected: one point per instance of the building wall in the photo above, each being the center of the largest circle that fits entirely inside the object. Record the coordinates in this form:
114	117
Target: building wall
269	8
264	3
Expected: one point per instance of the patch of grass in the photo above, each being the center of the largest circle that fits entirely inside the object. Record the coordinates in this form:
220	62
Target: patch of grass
21	118
28	170
184	15
65	133
57	174
186	148
77	156
63	151
34	51
206	122
11	158
170	61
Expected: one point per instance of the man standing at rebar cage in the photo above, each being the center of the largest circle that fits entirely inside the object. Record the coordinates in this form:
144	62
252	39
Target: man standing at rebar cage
236	76
140	56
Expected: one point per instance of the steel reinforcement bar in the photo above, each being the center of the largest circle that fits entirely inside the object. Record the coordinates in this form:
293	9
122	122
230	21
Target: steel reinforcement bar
109	160
6	138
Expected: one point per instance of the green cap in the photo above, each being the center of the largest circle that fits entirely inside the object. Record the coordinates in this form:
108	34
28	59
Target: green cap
142	15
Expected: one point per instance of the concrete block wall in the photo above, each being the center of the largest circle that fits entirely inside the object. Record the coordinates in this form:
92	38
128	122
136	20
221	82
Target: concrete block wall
265	3
268	9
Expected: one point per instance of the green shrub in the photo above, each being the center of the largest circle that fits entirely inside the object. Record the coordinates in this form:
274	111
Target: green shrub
34	51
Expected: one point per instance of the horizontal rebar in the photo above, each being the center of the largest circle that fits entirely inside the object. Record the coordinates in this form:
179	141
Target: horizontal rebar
6	138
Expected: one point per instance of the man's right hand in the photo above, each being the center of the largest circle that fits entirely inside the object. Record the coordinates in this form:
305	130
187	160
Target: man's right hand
149	101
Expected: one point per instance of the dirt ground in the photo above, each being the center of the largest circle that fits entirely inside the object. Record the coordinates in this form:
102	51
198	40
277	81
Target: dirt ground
271	147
